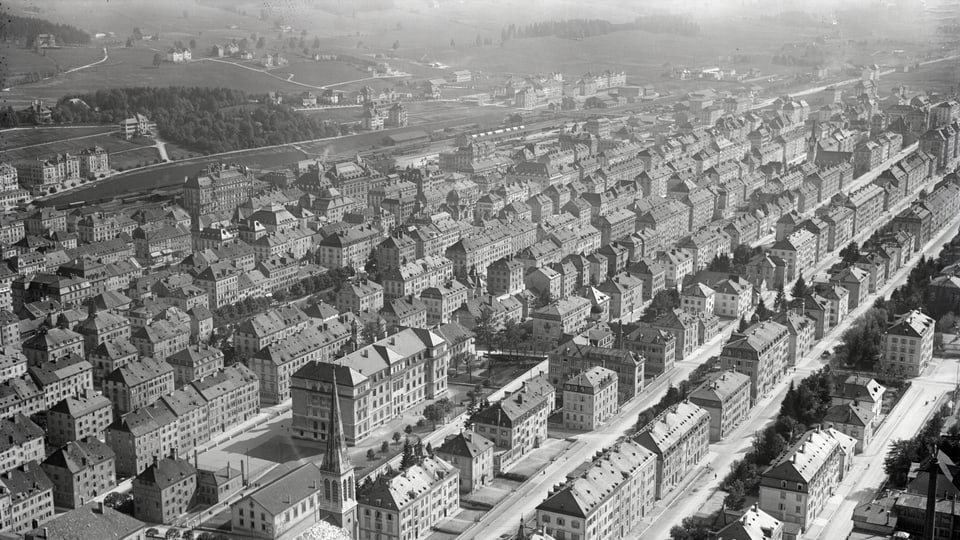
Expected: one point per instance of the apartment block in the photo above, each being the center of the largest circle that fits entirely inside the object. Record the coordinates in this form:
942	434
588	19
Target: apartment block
759	352
908	345
80	471
726	396
571	360
680	438
517	423
79	417
589	399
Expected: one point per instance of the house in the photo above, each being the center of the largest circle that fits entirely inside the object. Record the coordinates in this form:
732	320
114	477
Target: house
472	454
861	391
565	316
754	524
216	486
138	384
908	345
697	298
656	347
733	298
680	438
853	420
589	399
28	498
726	396
857	283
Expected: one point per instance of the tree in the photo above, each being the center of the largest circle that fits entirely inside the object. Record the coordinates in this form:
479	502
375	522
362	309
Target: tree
385	447
690	528
261	42
193	44
799	288
408	430
850	253
780	304
408	459
736	495
762	312
137	35
396	44
768	445
157	60
743	324
902	454
371	455
437	412
396	437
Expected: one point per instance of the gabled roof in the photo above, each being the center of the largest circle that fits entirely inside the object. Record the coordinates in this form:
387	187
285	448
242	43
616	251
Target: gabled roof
466	444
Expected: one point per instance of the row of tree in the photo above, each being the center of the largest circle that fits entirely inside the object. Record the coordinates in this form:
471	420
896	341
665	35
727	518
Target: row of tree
206	120
26	29
804	406
674	395
584	28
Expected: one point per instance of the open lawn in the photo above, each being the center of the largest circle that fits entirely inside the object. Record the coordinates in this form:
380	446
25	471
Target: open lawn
320	73
18	138
73	144
134	157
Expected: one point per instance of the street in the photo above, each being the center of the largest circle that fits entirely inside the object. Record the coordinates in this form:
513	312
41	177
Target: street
724	453
506	515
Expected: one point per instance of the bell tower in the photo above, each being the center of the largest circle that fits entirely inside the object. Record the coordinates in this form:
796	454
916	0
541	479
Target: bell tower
338	498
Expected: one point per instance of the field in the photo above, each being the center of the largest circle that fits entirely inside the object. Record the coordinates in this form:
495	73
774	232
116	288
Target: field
320	73
134	157
941	77
73	145
19	138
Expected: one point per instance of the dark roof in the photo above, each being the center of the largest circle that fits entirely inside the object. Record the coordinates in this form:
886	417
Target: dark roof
90	521
166	472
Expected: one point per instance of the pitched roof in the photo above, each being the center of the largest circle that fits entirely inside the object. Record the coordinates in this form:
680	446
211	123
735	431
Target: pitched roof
90	521
465	444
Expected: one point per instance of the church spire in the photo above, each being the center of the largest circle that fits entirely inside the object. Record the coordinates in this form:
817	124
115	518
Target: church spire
335	458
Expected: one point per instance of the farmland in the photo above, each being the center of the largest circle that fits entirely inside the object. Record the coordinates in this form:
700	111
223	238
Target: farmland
23	137
320	73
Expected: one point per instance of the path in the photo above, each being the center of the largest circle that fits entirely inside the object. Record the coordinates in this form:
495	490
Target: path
100	61
290	80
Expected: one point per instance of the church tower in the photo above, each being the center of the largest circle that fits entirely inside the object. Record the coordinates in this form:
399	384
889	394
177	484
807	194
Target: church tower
338	498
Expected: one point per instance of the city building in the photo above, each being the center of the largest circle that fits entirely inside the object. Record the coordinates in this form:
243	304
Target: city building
79	417
165	490
759	352
195	362
217	189
409	503
572	359
138	384
28	497
377	384
680	438
21	441
607	499
796	487
94	520
908	345
472	454
589	399
657	348
80	471
726	396
517	423
754	524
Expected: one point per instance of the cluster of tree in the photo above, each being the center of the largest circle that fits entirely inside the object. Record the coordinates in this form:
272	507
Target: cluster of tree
691	528
861	343
674	395
904	452
413	454
436	412
850	254
663	302
207	120
741	256
230	313
332	280
27	29
584	28
804	405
